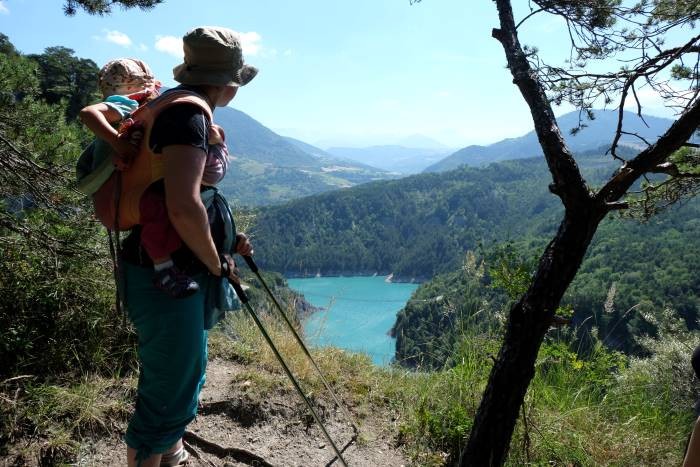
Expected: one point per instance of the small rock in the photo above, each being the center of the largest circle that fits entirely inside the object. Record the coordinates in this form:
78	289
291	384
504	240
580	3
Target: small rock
322	445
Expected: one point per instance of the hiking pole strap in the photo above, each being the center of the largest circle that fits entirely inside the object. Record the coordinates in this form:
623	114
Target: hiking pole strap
254	267
245	301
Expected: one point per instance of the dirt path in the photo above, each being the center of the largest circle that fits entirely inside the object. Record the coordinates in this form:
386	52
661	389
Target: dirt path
276	429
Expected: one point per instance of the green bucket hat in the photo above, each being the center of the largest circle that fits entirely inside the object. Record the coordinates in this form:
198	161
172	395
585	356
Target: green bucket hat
213	56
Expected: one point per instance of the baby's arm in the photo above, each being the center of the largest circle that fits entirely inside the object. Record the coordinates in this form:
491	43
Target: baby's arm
99	118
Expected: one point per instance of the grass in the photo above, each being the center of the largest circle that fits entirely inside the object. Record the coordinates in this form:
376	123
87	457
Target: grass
594	409
55	418
600	408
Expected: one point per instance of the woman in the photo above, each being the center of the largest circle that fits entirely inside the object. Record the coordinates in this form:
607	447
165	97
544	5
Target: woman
172	333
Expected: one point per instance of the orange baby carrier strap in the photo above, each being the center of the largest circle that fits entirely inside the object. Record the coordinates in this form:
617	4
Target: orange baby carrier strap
117	201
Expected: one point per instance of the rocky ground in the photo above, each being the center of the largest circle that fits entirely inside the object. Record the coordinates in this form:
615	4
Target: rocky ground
237	427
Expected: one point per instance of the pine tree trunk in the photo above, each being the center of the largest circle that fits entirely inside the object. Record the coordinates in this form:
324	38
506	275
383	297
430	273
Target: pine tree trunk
527	325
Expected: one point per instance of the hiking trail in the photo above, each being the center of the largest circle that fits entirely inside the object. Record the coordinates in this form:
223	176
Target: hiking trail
235	427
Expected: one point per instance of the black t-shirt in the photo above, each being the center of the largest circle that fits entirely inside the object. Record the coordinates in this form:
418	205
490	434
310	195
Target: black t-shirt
180	124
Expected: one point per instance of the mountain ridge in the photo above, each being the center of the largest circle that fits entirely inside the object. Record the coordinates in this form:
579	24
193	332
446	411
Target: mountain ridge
597	133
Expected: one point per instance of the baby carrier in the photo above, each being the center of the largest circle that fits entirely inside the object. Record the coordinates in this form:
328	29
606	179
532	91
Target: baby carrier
116	199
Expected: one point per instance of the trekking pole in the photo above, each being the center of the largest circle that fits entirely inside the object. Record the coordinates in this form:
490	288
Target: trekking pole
254	267
244	300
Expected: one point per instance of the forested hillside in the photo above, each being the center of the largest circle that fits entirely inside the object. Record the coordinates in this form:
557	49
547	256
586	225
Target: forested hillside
633	271
422	226
415	227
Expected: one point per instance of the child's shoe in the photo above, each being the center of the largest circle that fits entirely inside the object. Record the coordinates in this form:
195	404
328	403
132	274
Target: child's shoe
175	283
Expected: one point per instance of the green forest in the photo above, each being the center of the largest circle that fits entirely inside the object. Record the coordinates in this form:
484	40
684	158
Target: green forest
424	225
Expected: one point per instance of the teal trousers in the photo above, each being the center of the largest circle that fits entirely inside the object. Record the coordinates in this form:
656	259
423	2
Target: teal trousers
172	351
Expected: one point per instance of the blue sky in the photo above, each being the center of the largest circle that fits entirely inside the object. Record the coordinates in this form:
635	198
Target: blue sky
336	72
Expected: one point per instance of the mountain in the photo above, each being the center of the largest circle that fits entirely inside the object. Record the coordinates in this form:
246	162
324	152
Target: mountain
308	148
327	158
597	133
266	168
393	158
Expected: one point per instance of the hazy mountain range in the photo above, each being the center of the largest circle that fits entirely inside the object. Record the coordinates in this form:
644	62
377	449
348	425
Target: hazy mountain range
392	158
597	133
267	168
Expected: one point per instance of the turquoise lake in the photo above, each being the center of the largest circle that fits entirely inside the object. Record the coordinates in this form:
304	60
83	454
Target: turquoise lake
357	313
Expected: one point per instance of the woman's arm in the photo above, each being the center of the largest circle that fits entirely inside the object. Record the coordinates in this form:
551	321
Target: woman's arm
183	169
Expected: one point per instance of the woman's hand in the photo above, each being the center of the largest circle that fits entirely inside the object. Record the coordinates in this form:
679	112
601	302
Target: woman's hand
243	245
229	269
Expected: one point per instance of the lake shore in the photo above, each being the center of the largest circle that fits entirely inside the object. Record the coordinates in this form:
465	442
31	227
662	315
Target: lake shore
392	276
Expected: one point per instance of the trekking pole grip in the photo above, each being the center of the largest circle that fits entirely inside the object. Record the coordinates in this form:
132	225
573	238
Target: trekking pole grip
251	263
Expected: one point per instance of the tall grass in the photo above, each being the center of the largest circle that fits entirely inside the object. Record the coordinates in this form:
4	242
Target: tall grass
583	407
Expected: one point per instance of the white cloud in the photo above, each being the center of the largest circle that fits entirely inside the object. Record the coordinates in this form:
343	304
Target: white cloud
116	37
250	41
170	45
288	52
443	94
3	9
143	47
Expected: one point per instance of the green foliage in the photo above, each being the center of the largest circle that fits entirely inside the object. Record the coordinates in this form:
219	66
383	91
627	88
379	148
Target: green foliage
583	407
428	329
672	10
619	283
66	77
56	286
102	7
415	227
509	271
659	193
